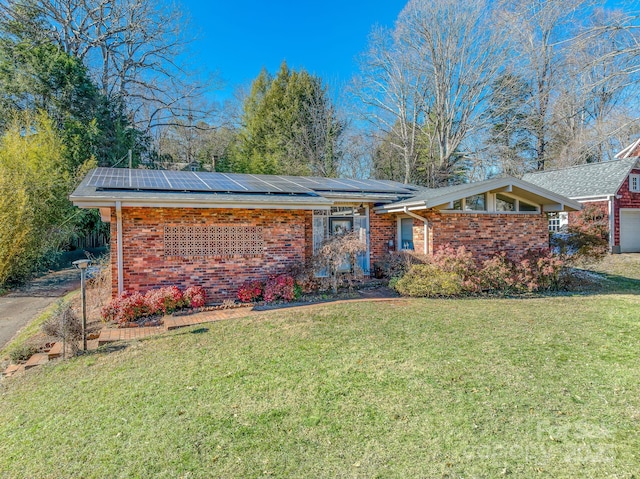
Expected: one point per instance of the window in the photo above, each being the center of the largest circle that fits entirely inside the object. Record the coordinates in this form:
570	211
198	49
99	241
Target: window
504	203
471	203
406	233
475	203
557	221
526	207
634	183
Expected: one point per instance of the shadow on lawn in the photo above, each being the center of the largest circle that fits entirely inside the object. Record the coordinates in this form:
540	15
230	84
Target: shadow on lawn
199	331
617	284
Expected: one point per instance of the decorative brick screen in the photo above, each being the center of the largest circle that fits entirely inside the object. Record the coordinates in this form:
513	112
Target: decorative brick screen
213	241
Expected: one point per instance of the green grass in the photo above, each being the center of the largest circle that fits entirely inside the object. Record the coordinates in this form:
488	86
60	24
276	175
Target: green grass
546	387
32	329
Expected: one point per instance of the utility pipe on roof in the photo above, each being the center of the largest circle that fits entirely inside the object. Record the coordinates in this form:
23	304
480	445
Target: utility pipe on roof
119	260
424	220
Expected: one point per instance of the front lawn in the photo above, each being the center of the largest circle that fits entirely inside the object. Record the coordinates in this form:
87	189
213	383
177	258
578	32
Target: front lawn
546	387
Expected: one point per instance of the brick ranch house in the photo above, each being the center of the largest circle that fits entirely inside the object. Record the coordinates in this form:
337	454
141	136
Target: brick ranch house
612	186
219	230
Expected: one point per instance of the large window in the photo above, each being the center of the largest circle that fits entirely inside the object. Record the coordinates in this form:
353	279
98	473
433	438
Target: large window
475	203
504	203
406	233
471	203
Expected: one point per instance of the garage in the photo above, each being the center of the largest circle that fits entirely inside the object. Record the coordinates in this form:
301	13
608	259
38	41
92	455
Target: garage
629	230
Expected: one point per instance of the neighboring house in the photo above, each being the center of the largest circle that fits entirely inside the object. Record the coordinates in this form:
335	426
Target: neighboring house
219	230
613	186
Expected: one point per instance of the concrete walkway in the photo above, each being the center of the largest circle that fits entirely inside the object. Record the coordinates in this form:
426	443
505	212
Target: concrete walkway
20	307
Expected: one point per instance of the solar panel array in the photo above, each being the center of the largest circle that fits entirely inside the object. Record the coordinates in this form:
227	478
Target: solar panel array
161	180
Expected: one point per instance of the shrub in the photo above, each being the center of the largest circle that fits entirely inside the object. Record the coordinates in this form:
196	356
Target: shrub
130	307
279	287
429	280
195	297
163	300
537	271
396	263
305	277
65	325
251	291
336	251
125	308
587	237
497	274
22	353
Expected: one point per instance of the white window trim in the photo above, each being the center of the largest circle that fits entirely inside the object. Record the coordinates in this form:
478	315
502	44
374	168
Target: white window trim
399	232
490	203
636	177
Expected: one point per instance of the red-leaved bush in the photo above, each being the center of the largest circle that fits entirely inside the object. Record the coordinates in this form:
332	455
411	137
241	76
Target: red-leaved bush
164	300
129	307
536	271
125	308
280	287
195	297
251	291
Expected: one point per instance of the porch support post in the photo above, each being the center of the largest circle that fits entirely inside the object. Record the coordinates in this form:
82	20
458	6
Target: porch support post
119	260
426	227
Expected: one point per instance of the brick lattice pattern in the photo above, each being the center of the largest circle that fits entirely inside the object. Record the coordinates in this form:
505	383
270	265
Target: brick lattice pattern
220	241
148	265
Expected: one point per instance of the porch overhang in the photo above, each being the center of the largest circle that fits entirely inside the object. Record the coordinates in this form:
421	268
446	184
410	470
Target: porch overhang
443	198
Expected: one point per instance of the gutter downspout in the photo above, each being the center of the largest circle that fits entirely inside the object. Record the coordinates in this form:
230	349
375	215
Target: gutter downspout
424	220
612	224
119	260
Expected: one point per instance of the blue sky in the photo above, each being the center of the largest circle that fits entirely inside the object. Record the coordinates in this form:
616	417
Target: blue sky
238	38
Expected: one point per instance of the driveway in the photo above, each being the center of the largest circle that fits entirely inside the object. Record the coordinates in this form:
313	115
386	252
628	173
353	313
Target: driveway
21	306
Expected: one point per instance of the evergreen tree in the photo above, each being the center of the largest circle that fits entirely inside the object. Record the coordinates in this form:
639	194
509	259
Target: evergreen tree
289	126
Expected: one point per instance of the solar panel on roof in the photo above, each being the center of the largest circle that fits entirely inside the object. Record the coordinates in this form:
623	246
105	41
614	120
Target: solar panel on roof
162	180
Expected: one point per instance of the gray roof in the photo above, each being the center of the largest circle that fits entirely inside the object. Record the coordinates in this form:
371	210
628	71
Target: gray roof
105	186
435	197
583	181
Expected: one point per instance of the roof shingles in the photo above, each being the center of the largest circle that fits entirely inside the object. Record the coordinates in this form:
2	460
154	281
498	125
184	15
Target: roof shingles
583	181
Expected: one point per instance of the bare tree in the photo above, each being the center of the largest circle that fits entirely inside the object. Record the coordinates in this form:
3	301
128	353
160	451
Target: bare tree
596	100
540	34
132	47
392	92
427	81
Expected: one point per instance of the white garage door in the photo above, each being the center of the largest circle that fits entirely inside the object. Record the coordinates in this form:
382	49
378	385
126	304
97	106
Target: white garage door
630	231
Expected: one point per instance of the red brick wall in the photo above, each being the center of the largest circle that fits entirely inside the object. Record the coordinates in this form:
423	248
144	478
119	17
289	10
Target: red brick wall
382	229
627	200
146	267
487	234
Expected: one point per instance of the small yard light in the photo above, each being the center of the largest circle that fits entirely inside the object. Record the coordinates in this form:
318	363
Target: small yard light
82	265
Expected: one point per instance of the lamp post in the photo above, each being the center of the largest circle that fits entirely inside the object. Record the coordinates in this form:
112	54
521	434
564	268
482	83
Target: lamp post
82	265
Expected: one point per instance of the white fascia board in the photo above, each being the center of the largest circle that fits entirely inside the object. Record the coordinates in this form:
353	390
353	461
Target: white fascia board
592	199
174	204
418	205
